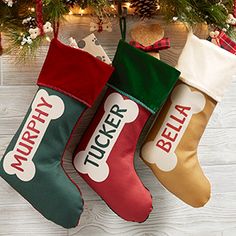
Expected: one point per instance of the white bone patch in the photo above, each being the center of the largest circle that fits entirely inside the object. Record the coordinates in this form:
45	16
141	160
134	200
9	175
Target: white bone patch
161	151
93	160
19	161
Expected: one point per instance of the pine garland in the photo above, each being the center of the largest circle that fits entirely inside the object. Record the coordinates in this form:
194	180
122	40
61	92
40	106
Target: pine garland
18	17
212	12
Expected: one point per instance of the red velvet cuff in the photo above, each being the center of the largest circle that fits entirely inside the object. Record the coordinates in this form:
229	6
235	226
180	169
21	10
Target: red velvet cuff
74	72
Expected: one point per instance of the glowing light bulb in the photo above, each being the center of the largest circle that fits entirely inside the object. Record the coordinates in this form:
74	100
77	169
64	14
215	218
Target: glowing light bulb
32	9
128	4
175	18
70	13
112	6
82	11
48	39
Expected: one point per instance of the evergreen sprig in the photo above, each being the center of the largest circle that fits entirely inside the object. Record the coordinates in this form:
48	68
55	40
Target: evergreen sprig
11	19
211	12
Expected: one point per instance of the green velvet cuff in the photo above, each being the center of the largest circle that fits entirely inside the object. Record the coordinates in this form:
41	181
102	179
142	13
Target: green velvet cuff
143	78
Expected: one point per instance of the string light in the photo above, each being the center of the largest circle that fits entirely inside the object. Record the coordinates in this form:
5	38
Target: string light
175	18
128	4
32	9
82	11
48	39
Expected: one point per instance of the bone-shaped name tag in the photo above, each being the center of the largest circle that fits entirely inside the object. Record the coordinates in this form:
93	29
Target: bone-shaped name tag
93	160
19	161
161	151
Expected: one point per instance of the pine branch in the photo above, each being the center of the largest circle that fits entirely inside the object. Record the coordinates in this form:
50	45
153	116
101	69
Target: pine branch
211	12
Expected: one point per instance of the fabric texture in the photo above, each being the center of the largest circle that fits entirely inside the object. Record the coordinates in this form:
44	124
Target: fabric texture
142	77
227	43
82	75
210	68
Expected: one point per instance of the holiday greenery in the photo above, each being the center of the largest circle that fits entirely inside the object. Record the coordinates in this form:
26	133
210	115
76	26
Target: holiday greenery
213	12
18	19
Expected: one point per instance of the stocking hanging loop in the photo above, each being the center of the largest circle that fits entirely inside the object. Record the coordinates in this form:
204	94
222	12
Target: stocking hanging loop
1	49
56	28
234	9
39	15
122	12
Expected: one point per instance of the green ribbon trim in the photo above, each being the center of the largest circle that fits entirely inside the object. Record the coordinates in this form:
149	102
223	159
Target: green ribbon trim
132	98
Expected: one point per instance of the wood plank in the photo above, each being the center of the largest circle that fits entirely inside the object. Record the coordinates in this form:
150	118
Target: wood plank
23	220
1	77
14	108
14	102
216	140
221	177
4	141
169	217
209	156
216	146
22	74
168	212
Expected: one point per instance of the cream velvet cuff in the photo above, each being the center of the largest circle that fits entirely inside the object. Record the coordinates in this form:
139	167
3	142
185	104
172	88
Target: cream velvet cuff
206	66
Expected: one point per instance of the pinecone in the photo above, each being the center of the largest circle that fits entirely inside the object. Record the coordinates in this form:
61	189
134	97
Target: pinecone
145	8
